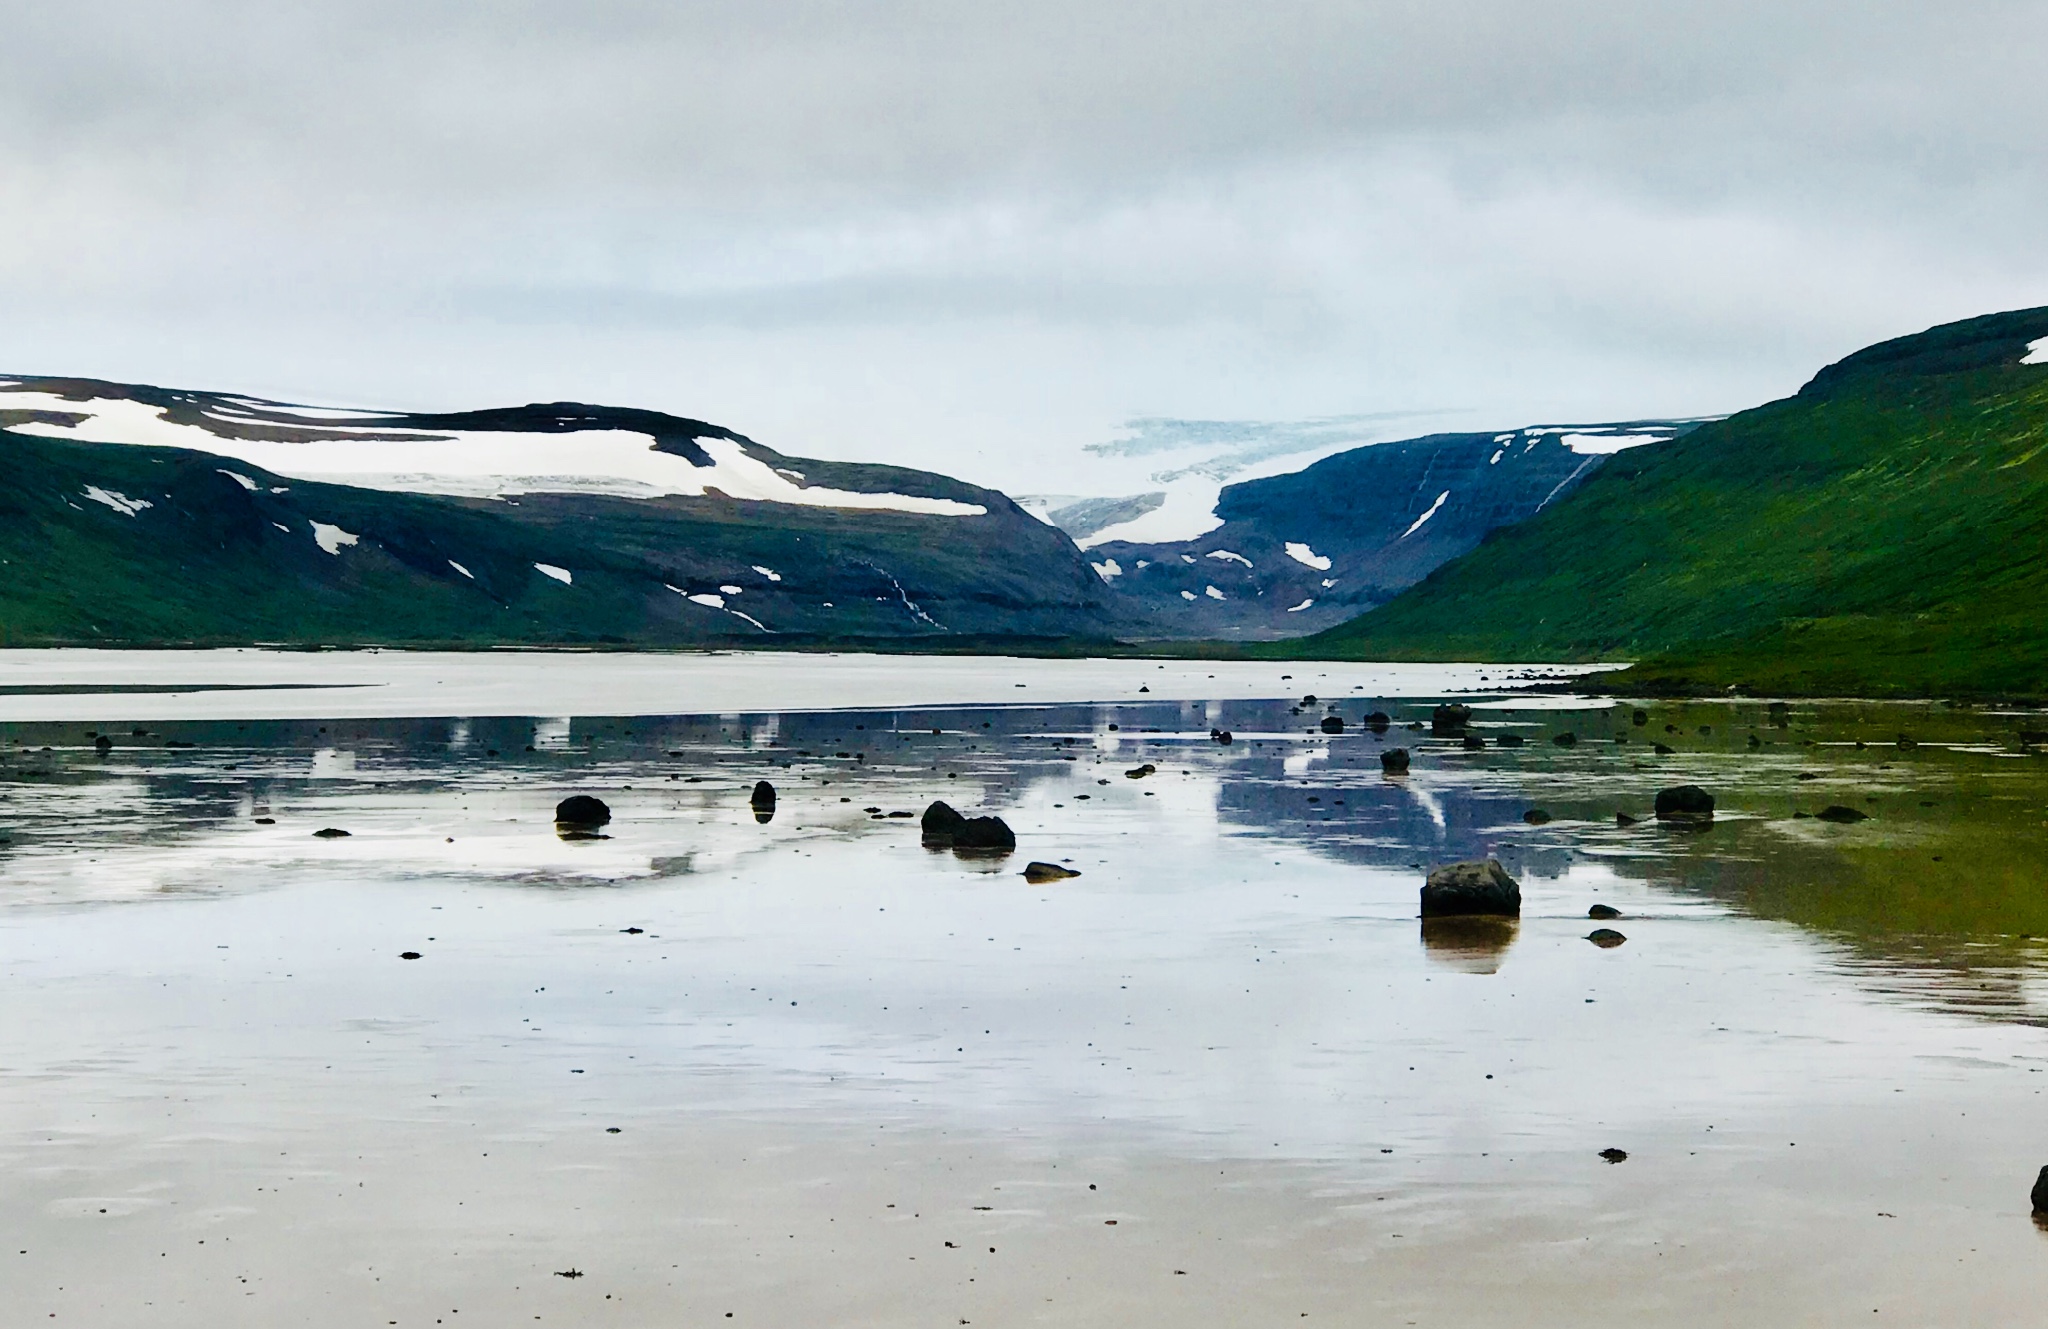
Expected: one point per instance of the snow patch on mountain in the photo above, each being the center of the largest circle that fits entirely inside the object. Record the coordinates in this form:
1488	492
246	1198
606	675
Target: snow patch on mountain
117	500
464	463
332	538
1425	516
2037	352
1306	556
561	575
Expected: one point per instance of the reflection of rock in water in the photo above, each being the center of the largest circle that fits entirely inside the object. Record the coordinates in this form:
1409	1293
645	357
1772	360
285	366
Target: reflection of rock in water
1470	945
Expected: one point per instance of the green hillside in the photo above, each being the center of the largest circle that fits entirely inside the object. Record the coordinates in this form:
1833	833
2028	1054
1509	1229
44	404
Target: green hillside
1883	532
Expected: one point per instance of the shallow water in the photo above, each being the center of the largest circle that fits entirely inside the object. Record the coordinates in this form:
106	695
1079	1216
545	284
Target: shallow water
1223	1076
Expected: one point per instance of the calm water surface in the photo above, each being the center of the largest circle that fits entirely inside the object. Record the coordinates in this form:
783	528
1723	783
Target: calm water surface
806	1071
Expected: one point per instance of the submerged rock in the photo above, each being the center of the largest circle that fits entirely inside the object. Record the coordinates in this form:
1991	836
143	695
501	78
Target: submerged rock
103	746
1333	724
1662	749
1479	887
1536	817
1603	911
1639	718
1044	872
1449	720
1566	739
1471	943
1685	803
1474	743
1605	938
1623	819
1509	741
1394	761
1379	721
1220	736
1835	812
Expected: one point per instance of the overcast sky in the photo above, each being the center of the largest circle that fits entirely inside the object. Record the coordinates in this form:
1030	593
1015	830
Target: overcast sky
980	237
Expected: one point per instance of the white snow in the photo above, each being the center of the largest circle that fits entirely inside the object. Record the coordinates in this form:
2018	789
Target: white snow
1144	563
1213	593
117	500
2037	352
770	575
1107	568
710	601
474	463
1189	513
463	570
240	479
1187	595
1328	583
1602	444
707	599
1425	516
332	538
1295	609
1494	460
1307	557
282	527
559	574
732	590
1502	438
1224	555
1187	558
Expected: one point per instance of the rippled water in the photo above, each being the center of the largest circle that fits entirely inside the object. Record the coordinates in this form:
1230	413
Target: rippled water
808	1071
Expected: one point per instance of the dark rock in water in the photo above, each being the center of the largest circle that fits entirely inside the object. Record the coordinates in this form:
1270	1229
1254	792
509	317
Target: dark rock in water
265	821
1605	938
762	800
1639	719
1333	724
1481	887
1906	742
1623	819
1220	736
941	823
1536	817
1755	742
1615	1155
1044	872
1508	741
2040	1195
330	833
984	833
1837	813
1566	739
1781	715
408	955
1802	816
1685	802
1394	761
943	826
582	812
1662	750
1603	911
1449	720
1379	721
1474	742
1140	772
103	745
2033	737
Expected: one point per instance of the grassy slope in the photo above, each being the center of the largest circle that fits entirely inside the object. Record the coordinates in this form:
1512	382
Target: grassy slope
1884	532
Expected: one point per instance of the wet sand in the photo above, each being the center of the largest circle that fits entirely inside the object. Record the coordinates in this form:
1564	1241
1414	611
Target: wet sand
828	1052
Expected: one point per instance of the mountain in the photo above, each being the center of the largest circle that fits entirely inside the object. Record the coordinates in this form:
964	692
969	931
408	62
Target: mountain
1880	533
1316	547
140	514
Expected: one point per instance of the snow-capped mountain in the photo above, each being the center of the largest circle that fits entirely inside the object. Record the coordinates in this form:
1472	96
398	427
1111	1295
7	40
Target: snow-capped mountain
1291	554
143	513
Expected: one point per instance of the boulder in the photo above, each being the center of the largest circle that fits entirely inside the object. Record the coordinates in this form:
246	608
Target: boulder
1662	749
1566	739
2040	1195
941	823
1615	1155
1333	724
1508	741
1394	761
1474	742
1781	715
1603	911
1038	873
1685	803
581	812
1140	772
1623	819
1378	722
762	800
1835	812
1449	720
103	746
1639	718
1536	817
1461	889
1220	736
330	833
